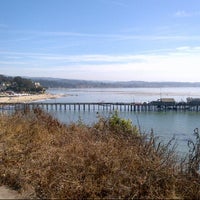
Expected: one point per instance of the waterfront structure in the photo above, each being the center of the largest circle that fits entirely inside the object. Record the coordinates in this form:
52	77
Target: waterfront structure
108	106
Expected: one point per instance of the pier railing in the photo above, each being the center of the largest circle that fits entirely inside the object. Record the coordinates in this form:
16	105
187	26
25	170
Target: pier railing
108	106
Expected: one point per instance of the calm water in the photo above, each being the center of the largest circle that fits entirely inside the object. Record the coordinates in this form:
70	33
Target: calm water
164	124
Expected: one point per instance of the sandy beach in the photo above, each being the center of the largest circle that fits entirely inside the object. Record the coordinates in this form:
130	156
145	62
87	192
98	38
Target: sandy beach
27	98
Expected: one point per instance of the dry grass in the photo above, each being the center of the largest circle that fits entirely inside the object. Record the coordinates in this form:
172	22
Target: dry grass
43	158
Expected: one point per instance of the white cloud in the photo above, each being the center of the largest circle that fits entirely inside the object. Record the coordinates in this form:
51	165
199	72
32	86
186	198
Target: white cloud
180	64
183	13
77	36
171	67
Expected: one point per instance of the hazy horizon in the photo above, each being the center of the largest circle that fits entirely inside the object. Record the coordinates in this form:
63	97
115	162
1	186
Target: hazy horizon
101	40
112	81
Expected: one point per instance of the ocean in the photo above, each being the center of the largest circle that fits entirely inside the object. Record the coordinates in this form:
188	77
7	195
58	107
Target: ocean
165	124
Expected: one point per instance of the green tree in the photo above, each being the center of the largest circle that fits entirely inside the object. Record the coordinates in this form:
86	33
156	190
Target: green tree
120	125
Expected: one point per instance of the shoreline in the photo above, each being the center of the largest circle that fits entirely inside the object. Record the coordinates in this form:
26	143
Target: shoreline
28	98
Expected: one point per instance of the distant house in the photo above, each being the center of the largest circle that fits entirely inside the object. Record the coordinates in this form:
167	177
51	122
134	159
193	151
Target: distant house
2	86
11	93
164	101
167	100
37	84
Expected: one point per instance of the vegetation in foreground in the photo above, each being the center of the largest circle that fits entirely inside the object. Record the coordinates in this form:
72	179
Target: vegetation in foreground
42	158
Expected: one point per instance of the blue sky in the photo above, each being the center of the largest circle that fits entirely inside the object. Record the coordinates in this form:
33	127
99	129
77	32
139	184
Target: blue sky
120	40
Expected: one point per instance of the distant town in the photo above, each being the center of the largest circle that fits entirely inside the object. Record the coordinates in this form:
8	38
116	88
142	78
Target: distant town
12	86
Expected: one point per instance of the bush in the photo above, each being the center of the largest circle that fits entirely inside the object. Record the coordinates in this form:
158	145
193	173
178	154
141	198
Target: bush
194	154
120	125
116	125
42	158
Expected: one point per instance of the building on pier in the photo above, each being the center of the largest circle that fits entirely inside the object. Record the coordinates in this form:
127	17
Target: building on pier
164	101
191	100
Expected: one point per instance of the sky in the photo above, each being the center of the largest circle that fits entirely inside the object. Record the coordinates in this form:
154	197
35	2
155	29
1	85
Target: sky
106	40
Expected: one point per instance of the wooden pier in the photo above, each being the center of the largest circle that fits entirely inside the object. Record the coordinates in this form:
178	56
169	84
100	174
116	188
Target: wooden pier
101	106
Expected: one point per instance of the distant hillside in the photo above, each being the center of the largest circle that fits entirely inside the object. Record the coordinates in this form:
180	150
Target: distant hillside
70	83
